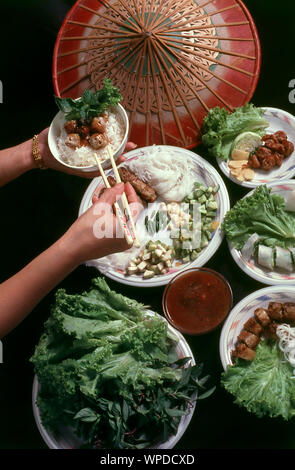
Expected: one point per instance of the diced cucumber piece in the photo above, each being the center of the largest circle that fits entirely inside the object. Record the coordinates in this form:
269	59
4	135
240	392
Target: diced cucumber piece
198	193
204	241
148	274
160	266
212	205
153	268
141	266
208	234
202	199
211	214
216	189
147	256
132	270
194	255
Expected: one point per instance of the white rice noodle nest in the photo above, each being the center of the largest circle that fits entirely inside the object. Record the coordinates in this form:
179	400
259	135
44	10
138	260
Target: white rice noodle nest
84	156
286	336
169	174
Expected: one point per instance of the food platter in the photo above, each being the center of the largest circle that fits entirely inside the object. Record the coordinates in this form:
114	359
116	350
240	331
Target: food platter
260	274
278	120
66	439
243	311
203	172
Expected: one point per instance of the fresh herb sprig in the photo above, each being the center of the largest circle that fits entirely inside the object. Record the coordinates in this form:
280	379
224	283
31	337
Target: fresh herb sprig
91	104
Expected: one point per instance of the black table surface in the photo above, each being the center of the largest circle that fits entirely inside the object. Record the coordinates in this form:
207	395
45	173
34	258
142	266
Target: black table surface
39	206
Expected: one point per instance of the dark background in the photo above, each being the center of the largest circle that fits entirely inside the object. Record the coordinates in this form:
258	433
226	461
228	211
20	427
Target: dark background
38	207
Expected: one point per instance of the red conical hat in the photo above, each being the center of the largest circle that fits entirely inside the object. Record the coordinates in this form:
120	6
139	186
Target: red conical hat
172	61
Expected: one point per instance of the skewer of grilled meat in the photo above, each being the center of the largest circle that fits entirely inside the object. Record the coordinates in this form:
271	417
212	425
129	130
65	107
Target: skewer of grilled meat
144	191
250	335
264	322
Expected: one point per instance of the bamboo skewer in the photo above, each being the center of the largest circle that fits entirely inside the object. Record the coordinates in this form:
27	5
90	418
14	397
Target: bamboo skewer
127	210
118	211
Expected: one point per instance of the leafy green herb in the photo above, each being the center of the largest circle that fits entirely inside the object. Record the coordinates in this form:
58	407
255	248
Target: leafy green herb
221	128
156	221
110	371
262	213
91	104
264	386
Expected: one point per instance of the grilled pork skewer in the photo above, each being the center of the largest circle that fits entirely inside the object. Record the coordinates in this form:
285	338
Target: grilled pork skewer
264	322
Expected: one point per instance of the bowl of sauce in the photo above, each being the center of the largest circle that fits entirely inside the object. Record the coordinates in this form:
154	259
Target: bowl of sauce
196	301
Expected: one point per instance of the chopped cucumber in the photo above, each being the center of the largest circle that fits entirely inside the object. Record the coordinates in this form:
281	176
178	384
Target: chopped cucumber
148	274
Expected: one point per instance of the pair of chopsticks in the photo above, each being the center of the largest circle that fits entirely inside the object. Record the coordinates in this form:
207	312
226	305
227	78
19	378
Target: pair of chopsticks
129	231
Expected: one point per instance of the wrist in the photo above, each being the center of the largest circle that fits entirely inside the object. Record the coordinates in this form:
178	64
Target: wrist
71	248
26	152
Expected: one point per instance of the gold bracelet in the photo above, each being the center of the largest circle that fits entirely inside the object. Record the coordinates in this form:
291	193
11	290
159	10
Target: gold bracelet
36	154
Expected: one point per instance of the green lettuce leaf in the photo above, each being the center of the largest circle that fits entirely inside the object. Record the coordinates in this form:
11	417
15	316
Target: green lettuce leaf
261	213
106	369
221	128
263	386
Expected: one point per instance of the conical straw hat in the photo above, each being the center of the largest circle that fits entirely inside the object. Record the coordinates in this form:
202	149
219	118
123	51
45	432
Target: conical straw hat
172	61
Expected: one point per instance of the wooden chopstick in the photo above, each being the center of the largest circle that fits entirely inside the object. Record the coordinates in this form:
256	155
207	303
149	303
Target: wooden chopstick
121	218
127	210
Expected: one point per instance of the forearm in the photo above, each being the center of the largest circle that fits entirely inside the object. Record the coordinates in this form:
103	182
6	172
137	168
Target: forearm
15	161
22	292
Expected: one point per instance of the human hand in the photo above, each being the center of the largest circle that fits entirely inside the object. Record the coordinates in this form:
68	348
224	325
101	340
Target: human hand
97	232
51	162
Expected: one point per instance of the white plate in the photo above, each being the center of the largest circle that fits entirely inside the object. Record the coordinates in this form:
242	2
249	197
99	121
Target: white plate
259	273
279	120
243	311
206	174
66	439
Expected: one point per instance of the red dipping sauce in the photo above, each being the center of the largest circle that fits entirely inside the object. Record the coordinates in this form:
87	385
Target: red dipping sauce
197	300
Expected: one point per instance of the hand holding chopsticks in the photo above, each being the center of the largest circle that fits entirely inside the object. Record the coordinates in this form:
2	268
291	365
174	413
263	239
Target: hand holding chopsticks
127	210
122	221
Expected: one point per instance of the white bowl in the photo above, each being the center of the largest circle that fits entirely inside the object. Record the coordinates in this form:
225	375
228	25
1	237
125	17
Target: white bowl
203	172
55	130
278	120
253	269
243	311
66	439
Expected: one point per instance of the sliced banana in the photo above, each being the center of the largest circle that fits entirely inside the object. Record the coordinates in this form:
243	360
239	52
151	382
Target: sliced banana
240	155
